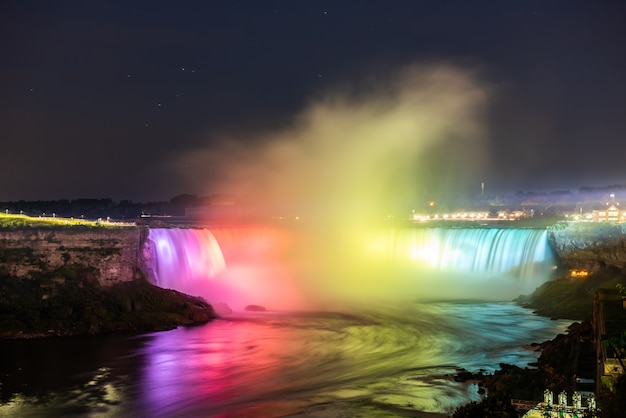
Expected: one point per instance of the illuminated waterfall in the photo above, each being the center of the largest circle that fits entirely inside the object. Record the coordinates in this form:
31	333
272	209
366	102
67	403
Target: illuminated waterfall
486	251
183	255
290	269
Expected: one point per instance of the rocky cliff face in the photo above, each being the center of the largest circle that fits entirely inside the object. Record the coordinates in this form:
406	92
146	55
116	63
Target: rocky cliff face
113	253
589	246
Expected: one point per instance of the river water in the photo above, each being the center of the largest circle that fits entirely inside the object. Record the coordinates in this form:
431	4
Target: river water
379	361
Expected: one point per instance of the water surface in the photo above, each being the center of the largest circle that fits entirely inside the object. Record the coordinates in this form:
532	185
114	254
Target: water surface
381	361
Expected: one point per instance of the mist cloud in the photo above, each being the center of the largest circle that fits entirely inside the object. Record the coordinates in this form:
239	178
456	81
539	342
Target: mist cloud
363	149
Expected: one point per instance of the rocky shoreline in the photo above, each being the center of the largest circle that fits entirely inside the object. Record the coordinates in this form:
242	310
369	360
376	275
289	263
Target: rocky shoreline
70	301
561	361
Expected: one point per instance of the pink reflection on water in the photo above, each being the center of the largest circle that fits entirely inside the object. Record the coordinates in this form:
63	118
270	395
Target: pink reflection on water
229	368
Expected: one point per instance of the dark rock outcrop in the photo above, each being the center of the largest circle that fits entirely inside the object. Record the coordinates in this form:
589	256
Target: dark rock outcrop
70	302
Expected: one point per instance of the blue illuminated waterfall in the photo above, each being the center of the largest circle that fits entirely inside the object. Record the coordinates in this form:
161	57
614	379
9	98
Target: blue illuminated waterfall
523	252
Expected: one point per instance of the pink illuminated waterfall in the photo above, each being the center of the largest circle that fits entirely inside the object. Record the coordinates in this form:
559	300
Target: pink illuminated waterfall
235	266
184	255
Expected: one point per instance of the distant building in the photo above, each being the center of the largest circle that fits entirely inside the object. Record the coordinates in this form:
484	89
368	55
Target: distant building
611	213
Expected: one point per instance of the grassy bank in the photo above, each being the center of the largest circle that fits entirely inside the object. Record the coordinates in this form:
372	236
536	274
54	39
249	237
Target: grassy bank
9	221
571	298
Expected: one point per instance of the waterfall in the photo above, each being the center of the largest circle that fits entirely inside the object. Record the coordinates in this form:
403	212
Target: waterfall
487	251
181	255
290	268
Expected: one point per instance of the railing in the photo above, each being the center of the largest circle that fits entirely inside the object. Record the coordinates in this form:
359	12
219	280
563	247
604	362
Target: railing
548	408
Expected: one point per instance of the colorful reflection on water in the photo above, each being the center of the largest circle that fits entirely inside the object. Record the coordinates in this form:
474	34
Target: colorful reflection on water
367	363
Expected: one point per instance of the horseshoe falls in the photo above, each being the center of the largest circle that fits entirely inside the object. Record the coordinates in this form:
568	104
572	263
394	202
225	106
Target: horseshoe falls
304	268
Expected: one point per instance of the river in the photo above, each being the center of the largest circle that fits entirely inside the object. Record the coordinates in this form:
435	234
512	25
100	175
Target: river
379	361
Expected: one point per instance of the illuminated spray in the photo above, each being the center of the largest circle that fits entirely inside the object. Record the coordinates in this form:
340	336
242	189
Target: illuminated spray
345	163
357	153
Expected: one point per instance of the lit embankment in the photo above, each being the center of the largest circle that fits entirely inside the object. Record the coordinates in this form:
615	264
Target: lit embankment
12	220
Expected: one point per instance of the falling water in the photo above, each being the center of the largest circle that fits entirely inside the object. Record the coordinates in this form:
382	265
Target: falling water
487	251
184	255
294	269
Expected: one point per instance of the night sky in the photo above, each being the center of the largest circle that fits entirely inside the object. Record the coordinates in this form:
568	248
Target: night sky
145	100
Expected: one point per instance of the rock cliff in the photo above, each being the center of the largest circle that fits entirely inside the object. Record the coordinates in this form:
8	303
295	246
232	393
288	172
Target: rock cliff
589	246
113	252
58	281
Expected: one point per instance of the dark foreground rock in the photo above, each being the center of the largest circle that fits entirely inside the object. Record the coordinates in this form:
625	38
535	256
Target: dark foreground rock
70	302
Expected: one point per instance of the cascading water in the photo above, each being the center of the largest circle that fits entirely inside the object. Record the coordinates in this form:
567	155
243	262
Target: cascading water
485	251
293	270
184	255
